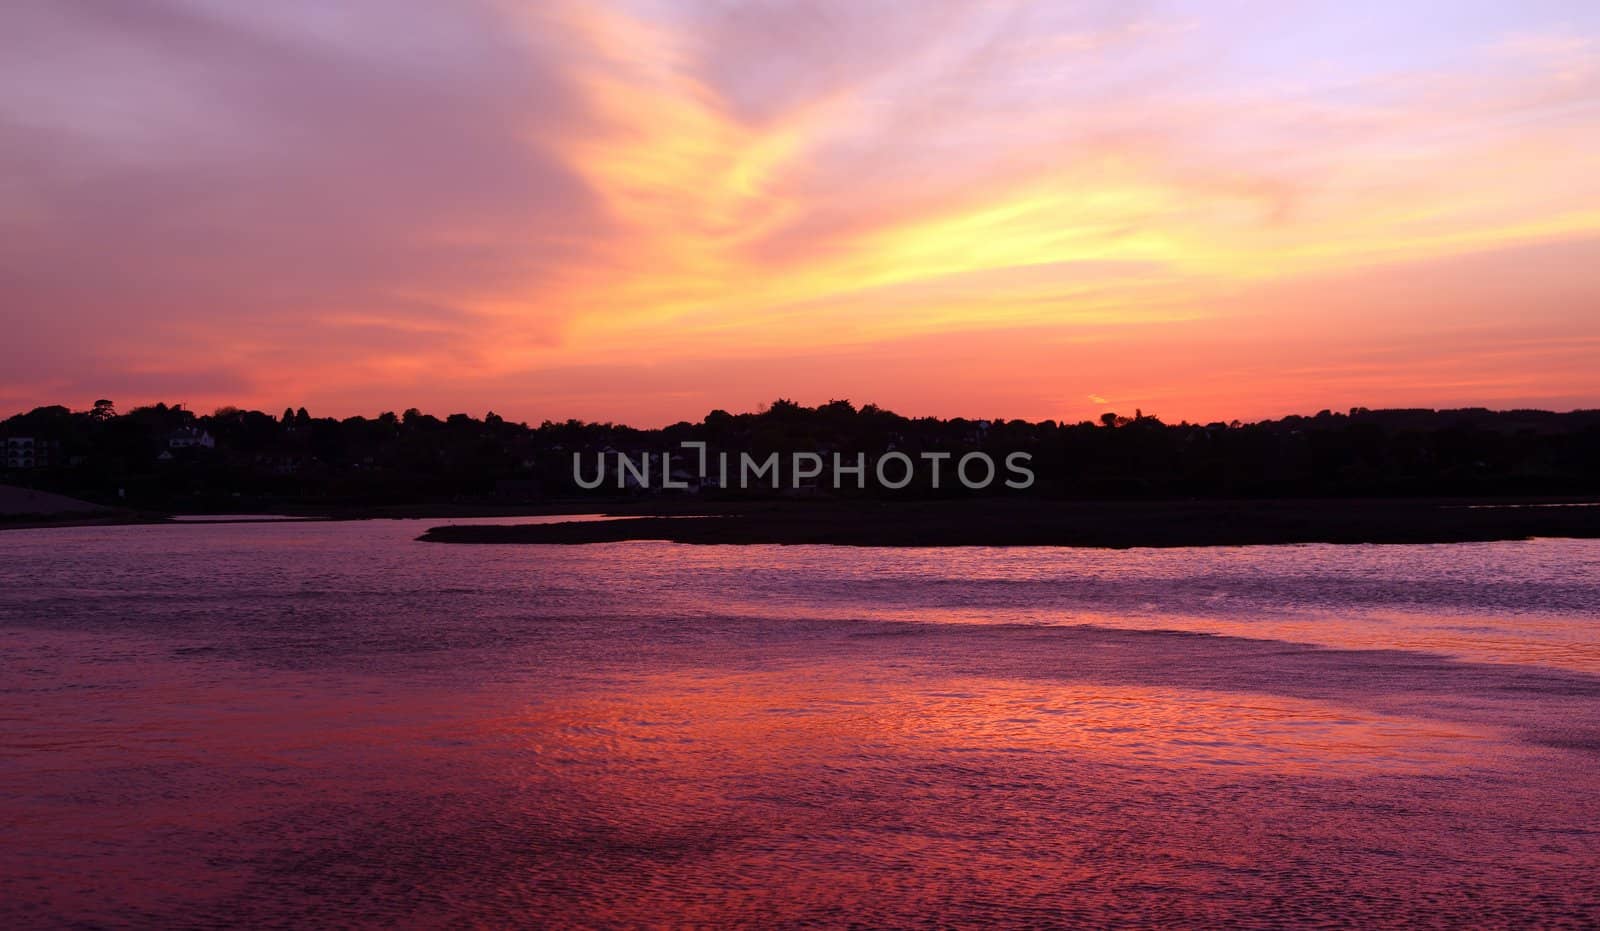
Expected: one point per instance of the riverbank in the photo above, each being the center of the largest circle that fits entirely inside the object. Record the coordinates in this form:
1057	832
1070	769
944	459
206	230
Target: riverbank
1112	524
971	522
28	508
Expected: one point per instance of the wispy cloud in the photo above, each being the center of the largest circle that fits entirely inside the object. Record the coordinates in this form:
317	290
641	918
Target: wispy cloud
400	202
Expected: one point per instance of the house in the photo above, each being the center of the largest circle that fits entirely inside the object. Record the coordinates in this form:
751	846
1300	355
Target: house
26	452
190	438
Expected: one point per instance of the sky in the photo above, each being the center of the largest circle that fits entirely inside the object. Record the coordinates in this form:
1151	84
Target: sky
642	211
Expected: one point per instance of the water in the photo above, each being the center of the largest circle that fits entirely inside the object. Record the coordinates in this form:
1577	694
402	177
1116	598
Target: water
284	724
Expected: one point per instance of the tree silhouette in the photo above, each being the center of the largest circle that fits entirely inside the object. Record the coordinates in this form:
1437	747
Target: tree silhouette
390	459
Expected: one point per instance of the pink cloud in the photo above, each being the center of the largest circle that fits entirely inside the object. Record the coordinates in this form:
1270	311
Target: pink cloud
635	211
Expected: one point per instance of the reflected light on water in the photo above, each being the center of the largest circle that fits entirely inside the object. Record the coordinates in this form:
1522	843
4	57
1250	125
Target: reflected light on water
332	724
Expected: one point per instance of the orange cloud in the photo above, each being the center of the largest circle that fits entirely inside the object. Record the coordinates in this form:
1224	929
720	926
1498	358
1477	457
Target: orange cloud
468	205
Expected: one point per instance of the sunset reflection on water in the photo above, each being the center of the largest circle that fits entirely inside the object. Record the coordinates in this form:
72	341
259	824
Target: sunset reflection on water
275	725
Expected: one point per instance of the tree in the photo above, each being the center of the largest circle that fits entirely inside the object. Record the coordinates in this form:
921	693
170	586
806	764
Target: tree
1109	419
103	410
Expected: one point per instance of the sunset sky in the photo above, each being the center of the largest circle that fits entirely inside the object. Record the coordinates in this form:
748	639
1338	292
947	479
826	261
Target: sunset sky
639	211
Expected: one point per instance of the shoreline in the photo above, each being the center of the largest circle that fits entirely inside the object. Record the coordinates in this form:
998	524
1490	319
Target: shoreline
1098	524
105	516
987	522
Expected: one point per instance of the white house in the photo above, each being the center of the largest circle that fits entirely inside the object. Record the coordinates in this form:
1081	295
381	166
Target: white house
25	452
189	438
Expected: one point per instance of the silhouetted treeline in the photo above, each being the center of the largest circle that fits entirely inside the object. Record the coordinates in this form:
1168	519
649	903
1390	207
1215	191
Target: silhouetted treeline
166	457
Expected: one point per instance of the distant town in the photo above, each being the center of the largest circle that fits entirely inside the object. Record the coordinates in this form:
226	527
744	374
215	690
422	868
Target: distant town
166	457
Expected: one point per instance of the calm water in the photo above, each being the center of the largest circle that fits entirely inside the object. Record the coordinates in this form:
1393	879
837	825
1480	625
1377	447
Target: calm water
328	723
